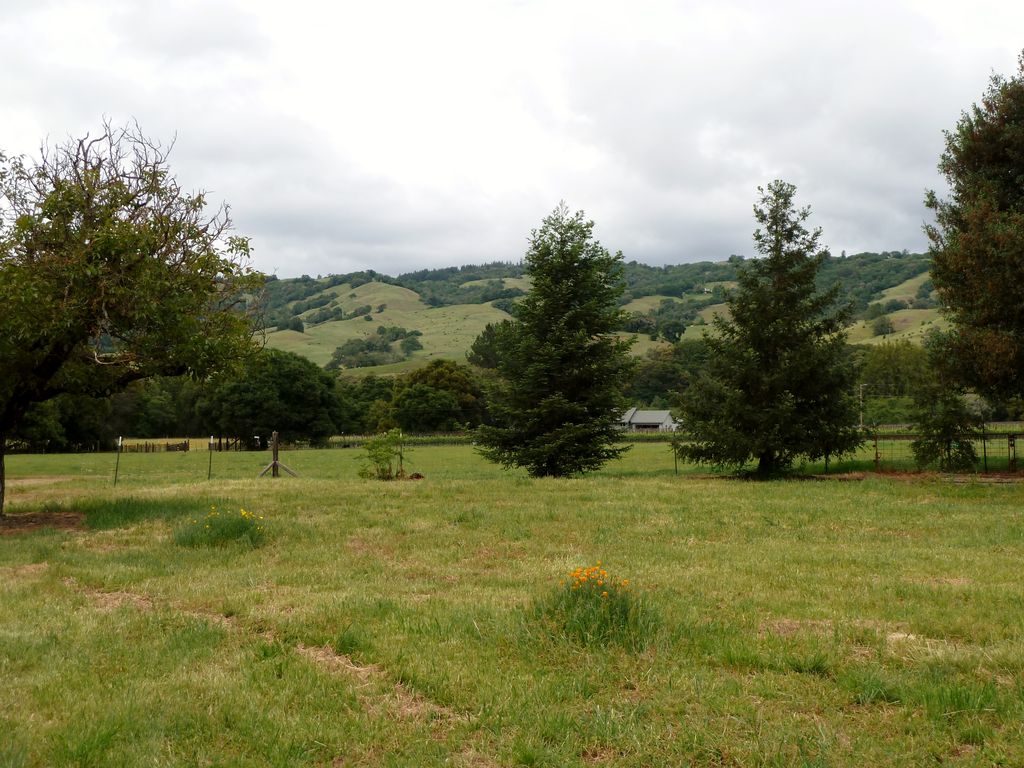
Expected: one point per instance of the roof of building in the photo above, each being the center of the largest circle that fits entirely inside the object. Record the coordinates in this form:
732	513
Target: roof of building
650	417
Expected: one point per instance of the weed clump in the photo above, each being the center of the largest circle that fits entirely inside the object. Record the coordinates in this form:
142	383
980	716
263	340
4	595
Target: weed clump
217	530
592	608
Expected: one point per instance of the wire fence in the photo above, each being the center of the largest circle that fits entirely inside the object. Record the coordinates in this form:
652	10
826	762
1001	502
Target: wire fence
892	451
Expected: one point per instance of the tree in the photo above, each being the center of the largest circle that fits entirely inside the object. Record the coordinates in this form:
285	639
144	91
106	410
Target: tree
779	380
560	367
441	396
275	391
946	423
883	326
485	352
110	272
664	372
423	408
977	240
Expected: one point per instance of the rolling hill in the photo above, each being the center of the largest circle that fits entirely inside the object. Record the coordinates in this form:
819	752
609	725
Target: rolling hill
450	307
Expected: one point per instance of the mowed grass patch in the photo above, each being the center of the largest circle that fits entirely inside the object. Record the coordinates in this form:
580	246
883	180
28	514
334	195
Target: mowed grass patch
801	622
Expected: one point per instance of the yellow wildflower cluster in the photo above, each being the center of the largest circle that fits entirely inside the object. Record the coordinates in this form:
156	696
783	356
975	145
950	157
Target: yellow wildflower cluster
594	578
246	515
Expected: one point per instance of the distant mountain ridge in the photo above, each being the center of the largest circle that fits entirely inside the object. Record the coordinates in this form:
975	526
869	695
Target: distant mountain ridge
447	308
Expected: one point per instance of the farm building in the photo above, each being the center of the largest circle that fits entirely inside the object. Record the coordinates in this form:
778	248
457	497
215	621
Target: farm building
635	420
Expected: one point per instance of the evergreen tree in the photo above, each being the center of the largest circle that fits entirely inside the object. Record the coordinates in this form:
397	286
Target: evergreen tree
977	241
779	379
561	369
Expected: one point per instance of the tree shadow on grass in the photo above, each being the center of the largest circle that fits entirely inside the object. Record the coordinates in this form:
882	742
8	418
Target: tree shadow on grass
118	513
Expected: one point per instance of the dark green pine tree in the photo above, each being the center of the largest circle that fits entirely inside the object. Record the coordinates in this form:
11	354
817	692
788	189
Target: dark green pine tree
560	367
779	382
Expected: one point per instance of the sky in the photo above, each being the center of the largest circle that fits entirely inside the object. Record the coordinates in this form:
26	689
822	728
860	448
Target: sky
398	136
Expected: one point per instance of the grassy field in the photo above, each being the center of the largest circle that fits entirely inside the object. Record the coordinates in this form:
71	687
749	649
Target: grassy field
867	621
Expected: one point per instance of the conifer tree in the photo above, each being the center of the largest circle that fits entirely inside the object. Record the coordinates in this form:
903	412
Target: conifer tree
560	367
779	380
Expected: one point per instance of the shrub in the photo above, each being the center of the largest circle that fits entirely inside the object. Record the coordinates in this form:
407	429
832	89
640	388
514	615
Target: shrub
947	428
591	608
385	456
217	530
883	326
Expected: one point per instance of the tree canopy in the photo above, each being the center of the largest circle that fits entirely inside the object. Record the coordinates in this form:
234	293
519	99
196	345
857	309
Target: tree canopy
778	381
560	368
110	272
977	240
275	391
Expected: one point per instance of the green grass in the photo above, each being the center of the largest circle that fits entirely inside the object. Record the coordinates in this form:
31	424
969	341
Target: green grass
907	290
645	304
448	331
910	324
872	622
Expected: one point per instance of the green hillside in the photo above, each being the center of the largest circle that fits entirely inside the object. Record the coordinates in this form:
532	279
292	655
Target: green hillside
448	308
447	331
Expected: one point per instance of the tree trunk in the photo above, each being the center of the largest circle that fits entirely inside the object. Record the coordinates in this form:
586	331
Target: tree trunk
766	464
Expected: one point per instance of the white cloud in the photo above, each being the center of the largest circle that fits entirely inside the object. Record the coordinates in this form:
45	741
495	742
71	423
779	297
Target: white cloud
396	135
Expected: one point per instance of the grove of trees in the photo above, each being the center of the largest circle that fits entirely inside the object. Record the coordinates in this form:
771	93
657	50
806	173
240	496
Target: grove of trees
275	390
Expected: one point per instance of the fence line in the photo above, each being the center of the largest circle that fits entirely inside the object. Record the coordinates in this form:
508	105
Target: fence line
997	451
155	447
885	448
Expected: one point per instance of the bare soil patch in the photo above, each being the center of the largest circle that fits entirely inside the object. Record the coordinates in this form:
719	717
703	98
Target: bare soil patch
32	569
14	482
11	525
792	627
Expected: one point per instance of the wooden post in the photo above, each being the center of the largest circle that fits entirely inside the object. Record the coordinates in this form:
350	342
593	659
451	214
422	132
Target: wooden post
274	465
117	464
273	450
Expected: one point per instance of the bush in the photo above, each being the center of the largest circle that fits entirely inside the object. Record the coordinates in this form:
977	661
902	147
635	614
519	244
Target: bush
883	326
591	608
217	530
385	456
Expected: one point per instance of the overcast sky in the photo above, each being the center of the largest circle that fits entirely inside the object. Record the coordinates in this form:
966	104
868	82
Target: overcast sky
402	135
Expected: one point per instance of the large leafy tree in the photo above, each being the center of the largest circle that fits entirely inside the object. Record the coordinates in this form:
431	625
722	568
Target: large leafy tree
109	273
441	396
977	240
275	391
560	367
779	380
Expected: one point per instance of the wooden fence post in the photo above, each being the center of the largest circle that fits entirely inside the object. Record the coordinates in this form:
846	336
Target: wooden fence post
274	465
